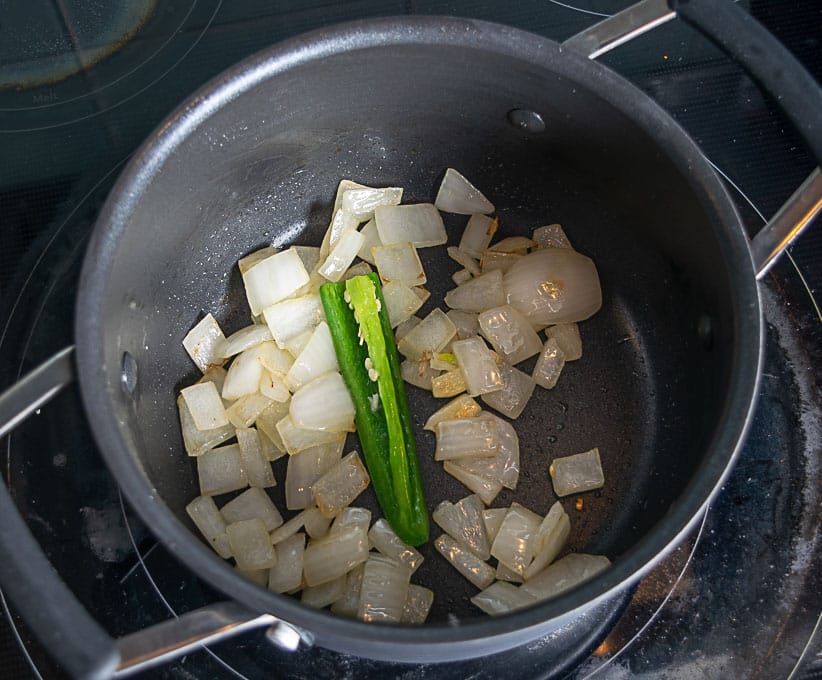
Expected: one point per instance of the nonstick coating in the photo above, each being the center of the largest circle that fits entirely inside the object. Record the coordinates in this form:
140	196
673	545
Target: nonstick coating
669	368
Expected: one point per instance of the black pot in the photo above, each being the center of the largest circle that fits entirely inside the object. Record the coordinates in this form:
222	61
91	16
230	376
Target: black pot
549	135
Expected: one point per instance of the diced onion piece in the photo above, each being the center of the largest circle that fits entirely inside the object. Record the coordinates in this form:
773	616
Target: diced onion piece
341	255
461	276
324	594
296	439
482	375
254	462
457	195
510	333
550	539
479	231
503	467
382	537
318	357
243	375
431	335
513	244
316	524
466	323
244	411
467	437
419	223
421	292
383	590
486	489
352	516
564	574
551	236
323	404
250	545
220	471
291	318
338	487
480	573
448	384
492	260
461	407
335	554
273	279
258	576
517	389
501	597
399	262
554	285
210	522
371	239
362	202
578	473
418	603
349	603
342	187
250	504
247	262
513	546
478	294
203	343
296	344
400	301
405	327
305	468
266	424
215	374
274	387
243	339
359	269
197	441
274	360
204	405
287	574
310	256
463	258
443	361
493	520
568	340
341	223
418	373
290	528
463	521
271	450
506	574
549	365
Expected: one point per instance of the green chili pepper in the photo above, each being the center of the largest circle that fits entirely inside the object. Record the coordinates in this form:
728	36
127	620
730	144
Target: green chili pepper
370	365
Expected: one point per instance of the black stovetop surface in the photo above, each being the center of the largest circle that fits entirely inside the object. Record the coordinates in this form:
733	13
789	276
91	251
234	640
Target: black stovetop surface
741	597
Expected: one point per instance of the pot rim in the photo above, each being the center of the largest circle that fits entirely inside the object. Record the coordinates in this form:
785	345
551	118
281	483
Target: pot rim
509	629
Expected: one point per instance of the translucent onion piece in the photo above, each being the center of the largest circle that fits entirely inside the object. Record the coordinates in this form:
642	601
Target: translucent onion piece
461	407
550	539
463	521
486	489
506	574
324	594
291	318
510	333
252	503
480	573
478	294
401	302
305	468
418	373
399	262
361	202
359	269
287	574
349	603
512	399
341	255
243	376
296	344
492	260
554	285
215	374
463	258
274	387
419	223
205	406
493	520
417	604
421	292
196	441
296	439
270	450
254	462
266	424
244	411
513	546
371	239
406	326
220	471
457	195
578	473
273	279
443	361
352	516
338	487
466	323
383	590
466	437
290	528
243	339
342	187
247	262
564	574
513	244
448	384
382	537
341	223
478	233
501	597
461	276
250	545
323	404
503	467
431	335
310	256
274	360
203	343
568	340
210	522
316	524
482	375
551	236
549	365
317	357
258	576
335	554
